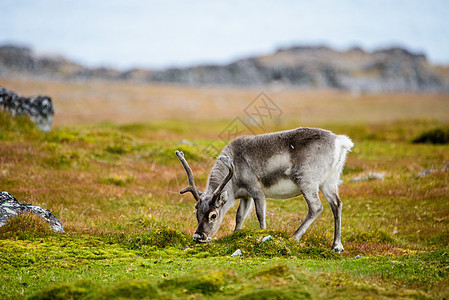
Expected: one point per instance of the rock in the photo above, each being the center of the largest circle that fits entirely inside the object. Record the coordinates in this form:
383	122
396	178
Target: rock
11	207
237	252
431	171
267	238
38	108
186	142
426	172
371	176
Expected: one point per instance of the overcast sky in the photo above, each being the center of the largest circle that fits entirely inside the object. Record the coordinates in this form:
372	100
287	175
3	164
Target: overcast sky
156	34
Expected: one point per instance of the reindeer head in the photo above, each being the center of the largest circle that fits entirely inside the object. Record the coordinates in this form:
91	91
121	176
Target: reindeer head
209	205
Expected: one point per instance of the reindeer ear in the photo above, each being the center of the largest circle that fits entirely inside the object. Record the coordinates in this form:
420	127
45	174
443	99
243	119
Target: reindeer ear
223	199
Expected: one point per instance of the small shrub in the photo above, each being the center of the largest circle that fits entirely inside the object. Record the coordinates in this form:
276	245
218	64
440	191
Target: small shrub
166	155
117	179
147	222
25	226
133	127
352	170
11	127
6	121
117	149
441	239
63	136
374	236
64	159
434	136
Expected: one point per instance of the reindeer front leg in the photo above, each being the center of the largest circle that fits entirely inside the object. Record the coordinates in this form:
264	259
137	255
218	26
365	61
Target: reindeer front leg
261	207
242	212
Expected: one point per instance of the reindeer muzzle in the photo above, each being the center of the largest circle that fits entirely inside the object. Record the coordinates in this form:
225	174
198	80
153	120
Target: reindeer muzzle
200	238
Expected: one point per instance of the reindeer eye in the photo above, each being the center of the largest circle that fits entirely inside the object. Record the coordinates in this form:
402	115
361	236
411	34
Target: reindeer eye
213	216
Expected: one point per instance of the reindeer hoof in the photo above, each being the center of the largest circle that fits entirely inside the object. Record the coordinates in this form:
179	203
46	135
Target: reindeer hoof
338	248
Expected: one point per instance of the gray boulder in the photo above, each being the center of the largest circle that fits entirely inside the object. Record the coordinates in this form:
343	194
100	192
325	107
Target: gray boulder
38	108
11	207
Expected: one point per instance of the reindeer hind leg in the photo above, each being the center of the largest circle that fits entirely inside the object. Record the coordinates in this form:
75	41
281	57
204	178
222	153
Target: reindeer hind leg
310	193
330	192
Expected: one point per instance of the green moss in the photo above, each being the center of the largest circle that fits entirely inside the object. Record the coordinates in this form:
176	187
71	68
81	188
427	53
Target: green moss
73	290
160	238
275	294
86	289
208	283
100	259
250	242
280	270
131	289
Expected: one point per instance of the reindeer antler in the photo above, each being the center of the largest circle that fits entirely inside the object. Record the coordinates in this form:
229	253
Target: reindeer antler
191	188
228	163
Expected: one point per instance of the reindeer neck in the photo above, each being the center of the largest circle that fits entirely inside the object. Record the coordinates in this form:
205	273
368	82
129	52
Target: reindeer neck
216	176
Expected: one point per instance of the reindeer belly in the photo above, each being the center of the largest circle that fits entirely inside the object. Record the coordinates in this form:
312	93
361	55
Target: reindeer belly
282	189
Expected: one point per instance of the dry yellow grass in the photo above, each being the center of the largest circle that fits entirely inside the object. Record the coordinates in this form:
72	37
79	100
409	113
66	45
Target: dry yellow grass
92	102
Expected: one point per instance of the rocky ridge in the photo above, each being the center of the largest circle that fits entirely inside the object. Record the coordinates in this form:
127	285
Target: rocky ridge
388	70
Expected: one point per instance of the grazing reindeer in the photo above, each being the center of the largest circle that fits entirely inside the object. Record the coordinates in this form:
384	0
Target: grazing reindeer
277	165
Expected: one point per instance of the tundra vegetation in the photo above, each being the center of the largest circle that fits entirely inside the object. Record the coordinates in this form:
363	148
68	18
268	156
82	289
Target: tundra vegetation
115	187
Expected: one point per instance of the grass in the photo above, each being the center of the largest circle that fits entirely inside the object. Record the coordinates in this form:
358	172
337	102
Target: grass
114	186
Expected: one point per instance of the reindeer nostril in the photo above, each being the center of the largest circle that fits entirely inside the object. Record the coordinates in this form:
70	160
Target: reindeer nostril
199	237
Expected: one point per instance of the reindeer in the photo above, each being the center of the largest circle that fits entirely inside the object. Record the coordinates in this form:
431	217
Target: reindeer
278	165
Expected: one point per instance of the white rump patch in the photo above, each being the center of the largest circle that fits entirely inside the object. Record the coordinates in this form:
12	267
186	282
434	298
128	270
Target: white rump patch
343	144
